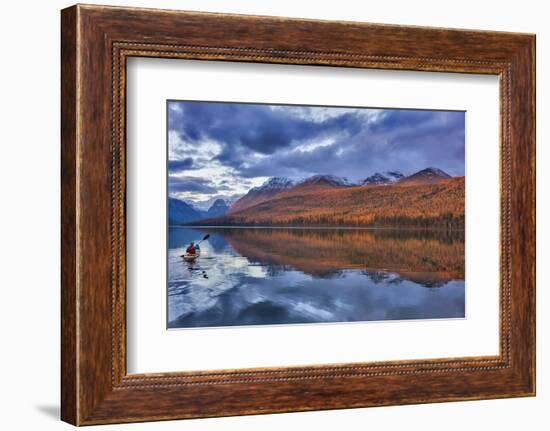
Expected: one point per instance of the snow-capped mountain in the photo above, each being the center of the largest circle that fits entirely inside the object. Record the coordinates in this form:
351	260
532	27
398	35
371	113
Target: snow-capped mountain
206	204
394	175
426	176
274	183
331	180
266	191
433	172
218	208
383	178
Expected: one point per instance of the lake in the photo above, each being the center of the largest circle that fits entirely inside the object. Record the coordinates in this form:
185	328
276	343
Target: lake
269	276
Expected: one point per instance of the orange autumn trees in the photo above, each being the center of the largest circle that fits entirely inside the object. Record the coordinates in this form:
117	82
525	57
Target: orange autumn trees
437	205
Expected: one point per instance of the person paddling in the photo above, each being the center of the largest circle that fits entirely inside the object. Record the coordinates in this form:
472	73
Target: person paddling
191	249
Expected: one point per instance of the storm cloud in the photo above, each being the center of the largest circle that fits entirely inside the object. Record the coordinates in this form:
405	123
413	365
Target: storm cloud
190	184
257	128
180	165
240	143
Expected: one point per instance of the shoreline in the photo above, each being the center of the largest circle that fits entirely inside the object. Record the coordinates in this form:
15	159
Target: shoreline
314	227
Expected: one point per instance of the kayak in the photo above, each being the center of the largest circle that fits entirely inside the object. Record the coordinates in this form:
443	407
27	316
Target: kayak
188	257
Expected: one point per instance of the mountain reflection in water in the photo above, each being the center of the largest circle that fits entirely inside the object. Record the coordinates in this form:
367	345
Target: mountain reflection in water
256	276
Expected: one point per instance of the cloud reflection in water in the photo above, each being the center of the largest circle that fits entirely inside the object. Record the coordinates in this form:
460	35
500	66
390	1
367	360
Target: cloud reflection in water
287	276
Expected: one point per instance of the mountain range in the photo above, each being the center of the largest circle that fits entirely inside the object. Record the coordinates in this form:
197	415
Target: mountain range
180	212
427	198
276	185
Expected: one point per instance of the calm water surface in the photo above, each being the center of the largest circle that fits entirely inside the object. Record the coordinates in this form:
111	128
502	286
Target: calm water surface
256	276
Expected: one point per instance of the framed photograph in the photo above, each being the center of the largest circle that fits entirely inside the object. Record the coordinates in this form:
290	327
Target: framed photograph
250	247
263	214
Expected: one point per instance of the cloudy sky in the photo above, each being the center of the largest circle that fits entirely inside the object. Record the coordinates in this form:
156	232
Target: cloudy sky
223	149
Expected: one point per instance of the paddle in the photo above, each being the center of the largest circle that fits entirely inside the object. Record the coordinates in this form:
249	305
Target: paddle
205	238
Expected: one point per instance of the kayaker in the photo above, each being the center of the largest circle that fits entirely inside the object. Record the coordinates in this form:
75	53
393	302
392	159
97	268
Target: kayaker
191	249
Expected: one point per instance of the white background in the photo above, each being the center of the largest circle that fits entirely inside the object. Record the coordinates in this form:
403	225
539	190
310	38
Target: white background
29	224
151	348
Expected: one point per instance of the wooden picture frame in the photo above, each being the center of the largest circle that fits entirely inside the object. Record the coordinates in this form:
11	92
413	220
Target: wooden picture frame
95	43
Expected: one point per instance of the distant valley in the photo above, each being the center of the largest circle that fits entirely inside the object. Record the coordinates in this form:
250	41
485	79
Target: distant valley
181	212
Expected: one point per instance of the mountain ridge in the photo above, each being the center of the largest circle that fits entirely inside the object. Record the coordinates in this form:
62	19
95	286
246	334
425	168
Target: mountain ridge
427	198
218	208
181	212
387	177
425	176
266	191
436	204
276	185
